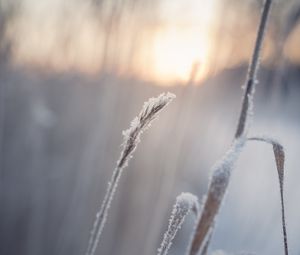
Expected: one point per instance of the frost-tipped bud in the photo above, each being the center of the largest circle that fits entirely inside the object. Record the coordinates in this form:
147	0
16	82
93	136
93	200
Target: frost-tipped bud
185	202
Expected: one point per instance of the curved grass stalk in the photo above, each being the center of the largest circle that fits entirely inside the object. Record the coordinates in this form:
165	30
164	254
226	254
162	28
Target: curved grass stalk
149	112
280	160
217	189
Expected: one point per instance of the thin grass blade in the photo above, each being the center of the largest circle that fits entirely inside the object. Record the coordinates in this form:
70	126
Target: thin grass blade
279	160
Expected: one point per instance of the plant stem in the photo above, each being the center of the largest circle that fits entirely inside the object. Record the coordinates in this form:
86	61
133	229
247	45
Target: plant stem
212	203
247	103
132	135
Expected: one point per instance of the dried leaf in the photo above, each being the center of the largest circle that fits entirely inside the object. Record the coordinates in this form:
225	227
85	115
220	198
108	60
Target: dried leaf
279	159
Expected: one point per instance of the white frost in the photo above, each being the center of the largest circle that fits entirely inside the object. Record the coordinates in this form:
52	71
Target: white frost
185	202
132	135
222	169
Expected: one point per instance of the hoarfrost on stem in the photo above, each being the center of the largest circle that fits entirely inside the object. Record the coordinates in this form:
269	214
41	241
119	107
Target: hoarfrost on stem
132	135
185	202
222	170
216	191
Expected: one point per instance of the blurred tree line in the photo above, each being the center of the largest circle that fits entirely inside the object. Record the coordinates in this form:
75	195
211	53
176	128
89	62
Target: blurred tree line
122	25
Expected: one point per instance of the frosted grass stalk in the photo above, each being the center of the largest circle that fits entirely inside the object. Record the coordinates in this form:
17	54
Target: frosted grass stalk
251	81
216	191
185	202
132	135
222	170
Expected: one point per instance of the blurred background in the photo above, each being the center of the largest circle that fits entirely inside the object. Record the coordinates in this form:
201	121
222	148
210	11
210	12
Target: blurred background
73	74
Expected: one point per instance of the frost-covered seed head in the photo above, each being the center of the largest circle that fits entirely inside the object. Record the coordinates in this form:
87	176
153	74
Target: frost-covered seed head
140	123
149	112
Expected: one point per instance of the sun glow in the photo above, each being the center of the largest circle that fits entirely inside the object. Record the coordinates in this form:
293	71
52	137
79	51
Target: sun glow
174	48
176	52
171	42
